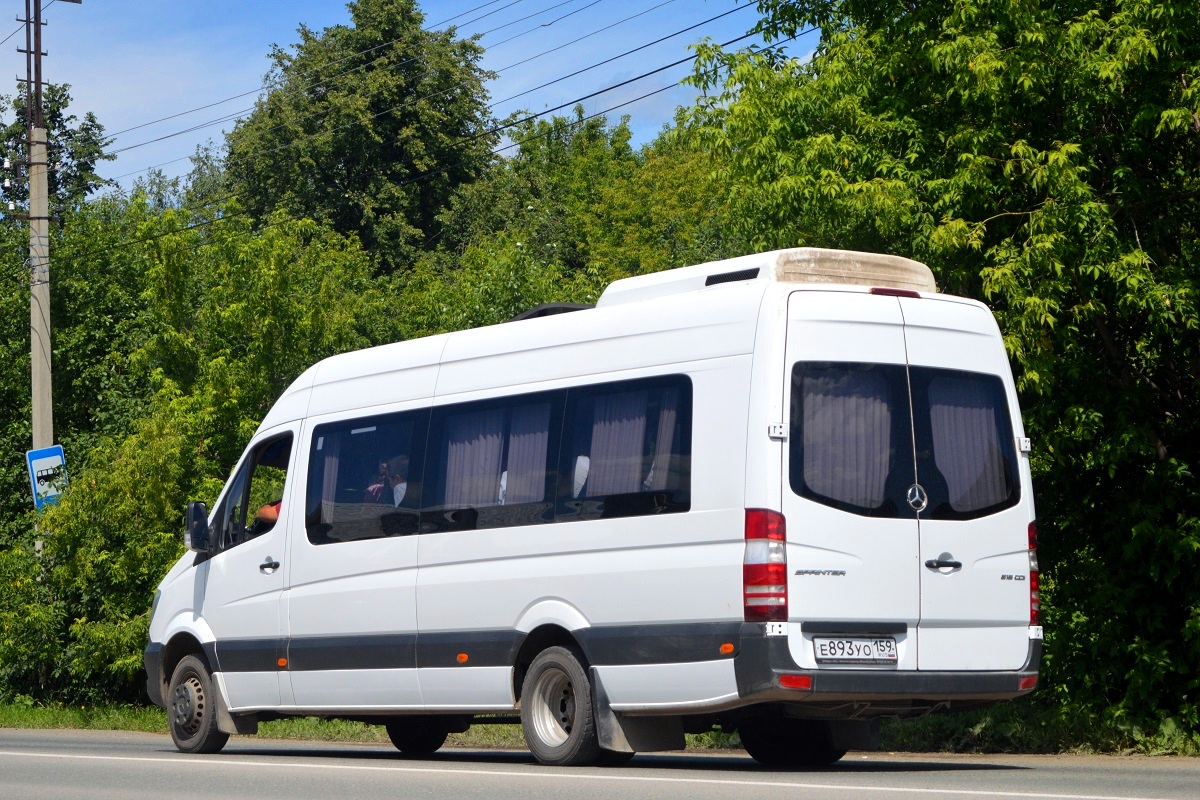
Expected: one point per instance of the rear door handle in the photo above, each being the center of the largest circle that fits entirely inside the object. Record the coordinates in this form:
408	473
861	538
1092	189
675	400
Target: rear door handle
268	566
940	563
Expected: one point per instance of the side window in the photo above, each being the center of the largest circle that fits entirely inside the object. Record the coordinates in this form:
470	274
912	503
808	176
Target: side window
491	463
255	497
627	449
364	478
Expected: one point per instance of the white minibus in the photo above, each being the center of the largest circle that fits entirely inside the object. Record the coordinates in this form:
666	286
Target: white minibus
786	494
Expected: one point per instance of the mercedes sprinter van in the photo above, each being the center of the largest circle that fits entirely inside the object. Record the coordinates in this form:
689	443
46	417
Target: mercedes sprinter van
787	494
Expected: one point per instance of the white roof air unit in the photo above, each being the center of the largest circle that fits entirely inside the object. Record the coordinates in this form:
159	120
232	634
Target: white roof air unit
818	265
796	265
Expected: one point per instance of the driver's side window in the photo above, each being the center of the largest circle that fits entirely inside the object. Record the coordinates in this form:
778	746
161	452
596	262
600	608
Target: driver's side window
255	497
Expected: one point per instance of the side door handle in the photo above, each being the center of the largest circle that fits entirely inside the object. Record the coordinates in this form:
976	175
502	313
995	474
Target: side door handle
268	566
943	563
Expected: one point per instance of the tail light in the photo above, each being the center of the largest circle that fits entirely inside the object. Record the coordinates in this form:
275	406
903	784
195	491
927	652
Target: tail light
1035	579
764	568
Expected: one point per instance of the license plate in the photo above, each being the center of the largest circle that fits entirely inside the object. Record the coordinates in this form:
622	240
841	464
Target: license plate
855	650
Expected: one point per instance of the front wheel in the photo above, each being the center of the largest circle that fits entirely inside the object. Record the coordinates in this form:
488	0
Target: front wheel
556	710
192	708
417	736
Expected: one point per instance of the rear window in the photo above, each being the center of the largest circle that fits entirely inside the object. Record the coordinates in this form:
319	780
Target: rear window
863	434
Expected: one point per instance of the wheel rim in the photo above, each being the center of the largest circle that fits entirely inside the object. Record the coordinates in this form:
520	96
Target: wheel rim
553	714
188	705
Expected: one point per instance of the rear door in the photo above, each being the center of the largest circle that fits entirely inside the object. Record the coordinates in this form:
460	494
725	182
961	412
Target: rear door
853	546
974	530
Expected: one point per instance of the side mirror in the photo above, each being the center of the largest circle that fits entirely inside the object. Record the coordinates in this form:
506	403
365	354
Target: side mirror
196	533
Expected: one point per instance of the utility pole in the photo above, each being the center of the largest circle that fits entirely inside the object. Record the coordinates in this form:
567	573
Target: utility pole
39	232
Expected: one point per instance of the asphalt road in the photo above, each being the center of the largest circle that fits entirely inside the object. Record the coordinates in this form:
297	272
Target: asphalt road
64	765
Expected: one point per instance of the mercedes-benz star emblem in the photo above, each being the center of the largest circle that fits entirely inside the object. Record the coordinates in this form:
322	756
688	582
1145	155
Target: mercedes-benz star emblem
917	497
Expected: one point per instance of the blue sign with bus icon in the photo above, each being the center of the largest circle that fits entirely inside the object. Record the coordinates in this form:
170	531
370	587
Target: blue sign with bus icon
47	474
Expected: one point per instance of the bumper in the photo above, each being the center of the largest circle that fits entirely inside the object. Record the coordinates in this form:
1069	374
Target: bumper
763	661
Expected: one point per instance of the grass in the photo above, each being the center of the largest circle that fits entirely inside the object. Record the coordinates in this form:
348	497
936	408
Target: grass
1023	726
94	718
26	714
1018	727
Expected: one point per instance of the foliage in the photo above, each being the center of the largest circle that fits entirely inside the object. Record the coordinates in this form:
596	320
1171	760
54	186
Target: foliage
577	194
368	128
1044	157
488	286
74	148
178	320
223	318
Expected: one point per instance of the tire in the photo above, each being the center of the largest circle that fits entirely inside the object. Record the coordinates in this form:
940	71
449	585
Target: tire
784	742
556	710
192	708
417	736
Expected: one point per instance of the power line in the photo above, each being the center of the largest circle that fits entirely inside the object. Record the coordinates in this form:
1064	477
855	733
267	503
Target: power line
261	89
18	30
325	81
492	105
427	174
423	176
502	127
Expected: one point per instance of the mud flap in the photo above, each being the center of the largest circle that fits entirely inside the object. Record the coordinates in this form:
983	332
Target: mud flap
625	734
244	724
854	734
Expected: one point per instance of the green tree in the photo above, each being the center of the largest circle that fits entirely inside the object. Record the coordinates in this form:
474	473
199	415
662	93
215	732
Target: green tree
184	334
74	148
1045	157
576	193
368	128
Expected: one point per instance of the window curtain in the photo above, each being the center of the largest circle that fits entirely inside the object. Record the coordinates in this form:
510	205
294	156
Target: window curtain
528	441
966	447
332	448
660	470
618	433
475	444
847	435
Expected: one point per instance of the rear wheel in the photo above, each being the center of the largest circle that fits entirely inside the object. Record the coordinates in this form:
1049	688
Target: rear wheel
556	710
192	708
417	736
785	742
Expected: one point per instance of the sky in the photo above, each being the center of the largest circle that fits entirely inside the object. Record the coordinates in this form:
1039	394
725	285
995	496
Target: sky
134	62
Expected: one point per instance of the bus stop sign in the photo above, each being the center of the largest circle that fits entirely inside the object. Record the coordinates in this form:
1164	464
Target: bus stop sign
47	474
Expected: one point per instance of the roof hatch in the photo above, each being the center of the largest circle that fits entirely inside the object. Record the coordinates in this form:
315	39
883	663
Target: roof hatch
809	265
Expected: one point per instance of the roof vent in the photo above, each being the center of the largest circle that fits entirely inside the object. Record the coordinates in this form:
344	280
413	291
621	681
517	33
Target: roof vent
730	277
